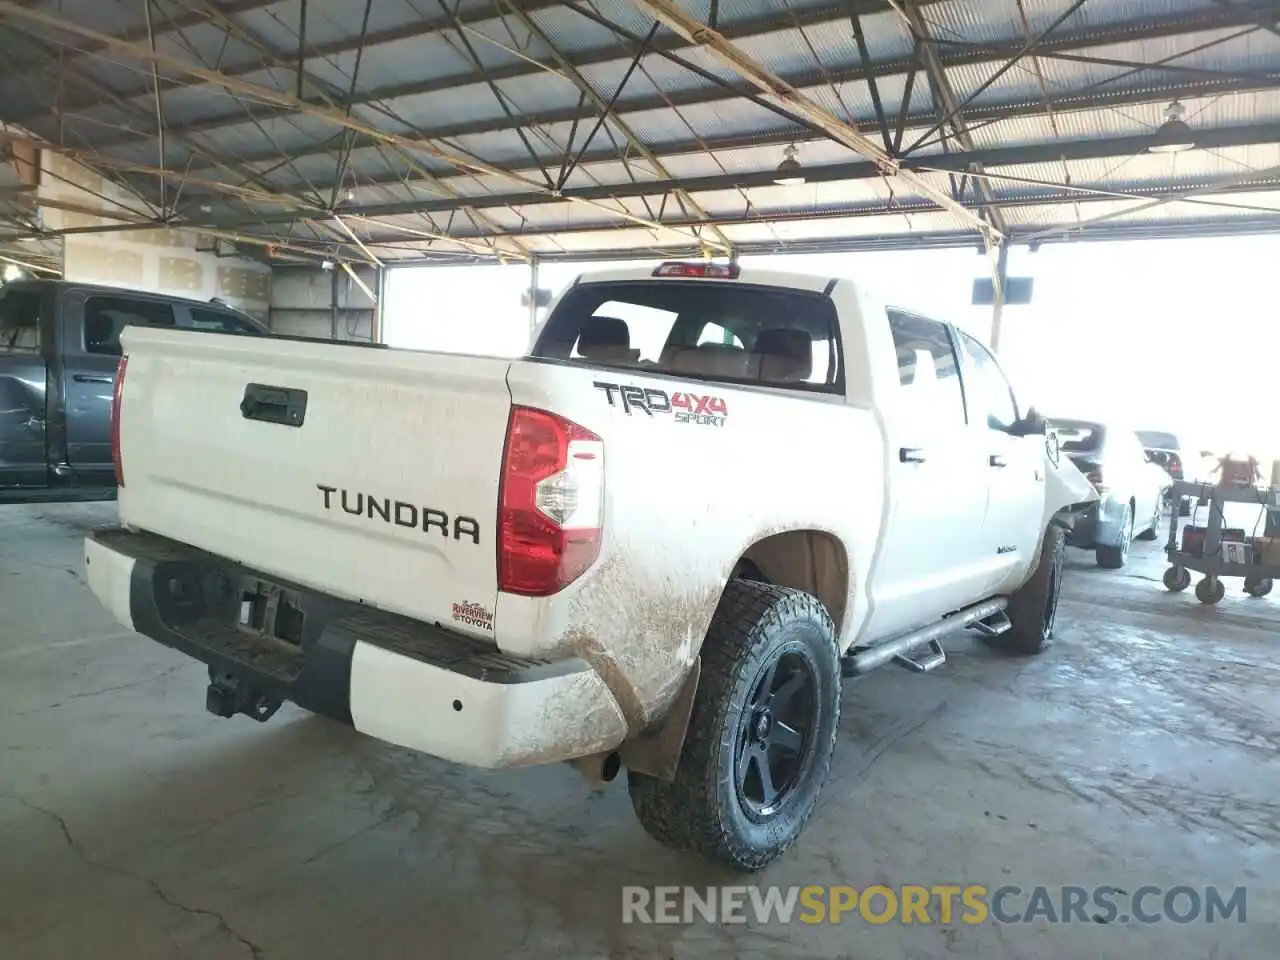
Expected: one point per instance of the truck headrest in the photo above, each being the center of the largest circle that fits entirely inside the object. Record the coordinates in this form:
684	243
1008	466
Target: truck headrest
712	359
603	332
785	354
606	340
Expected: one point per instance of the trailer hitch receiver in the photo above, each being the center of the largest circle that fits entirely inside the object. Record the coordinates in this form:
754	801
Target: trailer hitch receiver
228	695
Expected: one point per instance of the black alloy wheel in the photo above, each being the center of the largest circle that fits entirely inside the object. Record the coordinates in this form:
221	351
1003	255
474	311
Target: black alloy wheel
775	736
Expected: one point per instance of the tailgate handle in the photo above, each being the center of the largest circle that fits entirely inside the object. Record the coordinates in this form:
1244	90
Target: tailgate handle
282	405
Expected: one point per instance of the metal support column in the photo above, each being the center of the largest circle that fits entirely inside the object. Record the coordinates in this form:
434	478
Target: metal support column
333	302
533	296
376	324
1000	275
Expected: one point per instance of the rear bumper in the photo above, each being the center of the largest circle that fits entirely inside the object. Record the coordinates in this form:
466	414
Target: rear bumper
408	683
1100	524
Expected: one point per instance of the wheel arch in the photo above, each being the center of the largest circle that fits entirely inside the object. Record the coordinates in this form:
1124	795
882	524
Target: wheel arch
807	559
815	561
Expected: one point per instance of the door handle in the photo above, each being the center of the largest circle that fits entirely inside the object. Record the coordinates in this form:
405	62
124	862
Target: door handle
86	378
997	461
911	455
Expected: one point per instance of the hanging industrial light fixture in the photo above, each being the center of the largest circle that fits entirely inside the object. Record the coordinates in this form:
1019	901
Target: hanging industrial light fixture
789	172
1173	136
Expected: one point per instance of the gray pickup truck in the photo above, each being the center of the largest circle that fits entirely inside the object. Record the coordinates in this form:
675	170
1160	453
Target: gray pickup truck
59	349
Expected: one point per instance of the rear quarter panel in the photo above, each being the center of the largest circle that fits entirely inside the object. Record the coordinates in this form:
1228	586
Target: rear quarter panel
683	502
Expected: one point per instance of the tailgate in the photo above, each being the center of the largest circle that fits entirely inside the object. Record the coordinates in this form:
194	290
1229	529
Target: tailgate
379	485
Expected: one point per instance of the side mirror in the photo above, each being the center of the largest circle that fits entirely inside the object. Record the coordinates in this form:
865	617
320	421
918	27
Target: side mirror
1030	425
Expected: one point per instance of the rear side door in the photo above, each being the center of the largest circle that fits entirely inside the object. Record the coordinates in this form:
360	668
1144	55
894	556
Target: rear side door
1015	467
930	560
24	345
92	323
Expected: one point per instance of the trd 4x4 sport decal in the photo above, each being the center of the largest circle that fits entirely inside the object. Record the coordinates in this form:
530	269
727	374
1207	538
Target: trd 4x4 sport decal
709	411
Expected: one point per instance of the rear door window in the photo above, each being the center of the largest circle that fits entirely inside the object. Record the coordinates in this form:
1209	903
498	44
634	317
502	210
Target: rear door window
927	368
20	321
106	317
740	333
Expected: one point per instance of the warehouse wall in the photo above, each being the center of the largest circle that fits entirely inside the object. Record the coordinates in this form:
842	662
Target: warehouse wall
180	262
302	303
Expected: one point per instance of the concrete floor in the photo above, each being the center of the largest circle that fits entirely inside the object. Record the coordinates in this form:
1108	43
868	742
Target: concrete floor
1140	749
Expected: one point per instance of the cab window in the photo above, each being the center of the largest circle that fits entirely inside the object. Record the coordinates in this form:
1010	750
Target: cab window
737	333
20	321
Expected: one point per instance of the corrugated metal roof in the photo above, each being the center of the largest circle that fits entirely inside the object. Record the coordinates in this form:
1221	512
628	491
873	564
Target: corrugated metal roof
1070	120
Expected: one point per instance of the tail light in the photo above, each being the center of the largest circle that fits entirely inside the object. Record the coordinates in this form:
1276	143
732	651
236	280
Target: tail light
550	504
116	395
1095	477
1174	465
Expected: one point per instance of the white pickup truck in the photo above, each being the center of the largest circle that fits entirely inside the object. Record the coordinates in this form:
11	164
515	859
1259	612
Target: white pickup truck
658	542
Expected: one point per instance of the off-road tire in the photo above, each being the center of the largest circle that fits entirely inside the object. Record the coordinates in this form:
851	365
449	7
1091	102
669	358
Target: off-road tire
1033	608
703	809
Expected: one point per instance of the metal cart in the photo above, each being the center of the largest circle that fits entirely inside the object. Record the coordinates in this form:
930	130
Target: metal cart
1210	561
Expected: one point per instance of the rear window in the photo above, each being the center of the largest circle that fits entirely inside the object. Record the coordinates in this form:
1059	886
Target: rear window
20	321
1157	440
738	333
1077	436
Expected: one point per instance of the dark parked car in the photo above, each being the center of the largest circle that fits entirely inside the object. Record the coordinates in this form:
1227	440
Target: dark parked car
59	348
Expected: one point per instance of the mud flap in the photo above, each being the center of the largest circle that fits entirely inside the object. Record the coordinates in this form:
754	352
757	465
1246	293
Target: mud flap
657	752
